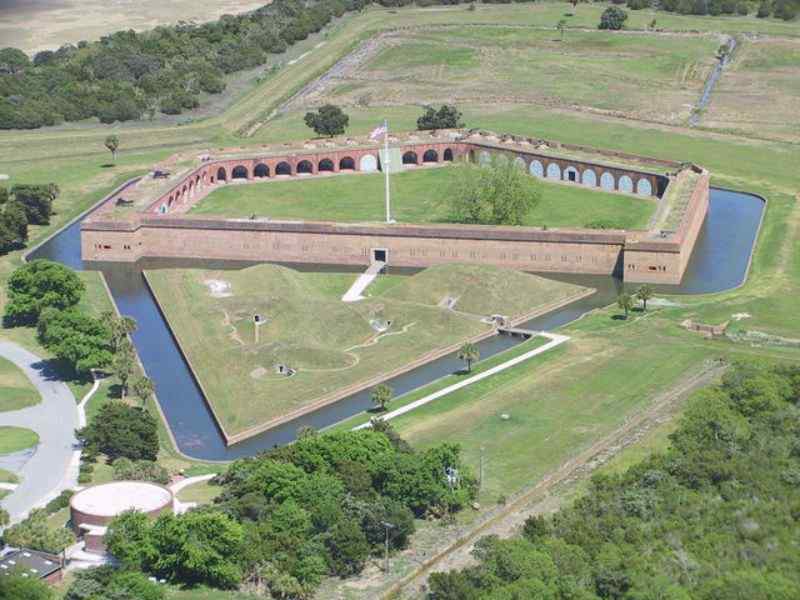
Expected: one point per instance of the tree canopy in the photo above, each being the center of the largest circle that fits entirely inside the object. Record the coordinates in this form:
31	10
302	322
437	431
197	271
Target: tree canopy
715	517
613	18
447	117
120	430
496	193
329	120
41	284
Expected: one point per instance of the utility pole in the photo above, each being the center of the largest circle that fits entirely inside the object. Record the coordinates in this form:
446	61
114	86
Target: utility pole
387	526
386	169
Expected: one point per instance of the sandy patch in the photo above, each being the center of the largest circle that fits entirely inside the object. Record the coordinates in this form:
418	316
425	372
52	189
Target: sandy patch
218	288
258	372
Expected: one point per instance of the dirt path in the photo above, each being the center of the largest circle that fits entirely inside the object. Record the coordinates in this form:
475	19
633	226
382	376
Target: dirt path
541	498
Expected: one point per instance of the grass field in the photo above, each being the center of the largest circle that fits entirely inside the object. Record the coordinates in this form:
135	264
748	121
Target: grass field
418	196
655	77
8	476
759	93
14	439
202	493
16	391
308	328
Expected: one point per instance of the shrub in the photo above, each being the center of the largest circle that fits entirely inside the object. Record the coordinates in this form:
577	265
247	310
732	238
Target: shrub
59	502
140	470
447	117
613	18
764	10
638	4
329	120
35	533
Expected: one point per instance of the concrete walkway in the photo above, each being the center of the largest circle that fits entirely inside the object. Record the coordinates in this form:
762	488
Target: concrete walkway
50	468
354	294
555	340
179	507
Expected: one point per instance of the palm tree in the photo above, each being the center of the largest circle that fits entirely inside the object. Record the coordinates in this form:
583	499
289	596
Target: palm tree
123	365
645	293
561	26
625	302
469	353
143	388
381	396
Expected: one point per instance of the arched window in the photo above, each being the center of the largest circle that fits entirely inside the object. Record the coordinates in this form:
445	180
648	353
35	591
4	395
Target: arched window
221	175
326	164
347	164
589	178
239	172
644	188
448	155
305	166
283	168
536	169
553	171
607	181
261	170
368	163
410	158
430	156
625	184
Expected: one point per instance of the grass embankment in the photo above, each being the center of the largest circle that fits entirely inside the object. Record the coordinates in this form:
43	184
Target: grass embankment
14	439
8	476
331	344
419	195
16	390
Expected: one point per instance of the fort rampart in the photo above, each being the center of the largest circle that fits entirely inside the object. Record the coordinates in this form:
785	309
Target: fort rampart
160	227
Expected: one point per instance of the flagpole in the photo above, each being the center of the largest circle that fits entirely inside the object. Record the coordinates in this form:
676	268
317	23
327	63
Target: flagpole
386	169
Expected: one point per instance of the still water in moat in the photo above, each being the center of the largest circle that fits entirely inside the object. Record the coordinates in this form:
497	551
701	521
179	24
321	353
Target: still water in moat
719	262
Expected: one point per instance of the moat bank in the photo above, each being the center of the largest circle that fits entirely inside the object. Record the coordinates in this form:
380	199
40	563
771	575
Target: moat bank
719	262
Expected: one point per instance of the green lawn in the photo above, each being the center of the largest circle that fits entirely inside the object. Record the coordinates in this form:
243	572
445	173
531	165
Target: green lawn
14	439
202	493
16	390
418	196
331	344
8	477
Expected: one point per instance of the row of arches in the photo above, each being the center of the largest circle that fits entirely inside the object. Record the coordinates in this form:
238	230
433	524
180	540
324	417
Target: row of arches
429	156
587	177
303	167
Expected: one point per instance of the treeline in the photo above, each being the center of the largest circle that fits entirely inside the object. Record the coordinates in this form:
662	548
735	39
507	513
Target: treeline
286	519
717	517
780	9
21	206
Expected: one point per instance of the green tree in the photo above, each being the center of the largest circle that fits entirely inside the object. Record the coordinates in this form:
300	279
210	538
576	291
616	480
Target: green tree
561	26
5	519
128	539
36	533
124	365
15	586
110	583
469	353
112	144
348	548
143	389
198	547
37	201
37	285
13	60
613	18
446	117
625	302
121	327
121	430
79	340
645	293
381	396
495	193
329	120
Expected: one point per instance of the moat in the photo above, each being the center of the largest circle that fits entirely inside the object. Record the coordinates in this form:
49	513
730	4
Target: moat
719	262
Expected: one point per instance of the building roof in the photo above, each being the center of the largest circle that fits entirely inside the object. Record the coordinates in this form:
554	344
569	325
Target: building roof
112	499
29	563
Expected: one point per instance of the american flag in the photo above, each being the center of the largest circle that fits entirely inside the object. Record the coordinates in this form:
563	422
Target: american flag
378	132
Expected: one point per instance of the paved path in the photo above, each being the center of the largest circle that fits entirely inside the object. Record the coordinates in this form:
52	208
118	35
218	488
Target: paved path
555	340
179	507
362	282
52	467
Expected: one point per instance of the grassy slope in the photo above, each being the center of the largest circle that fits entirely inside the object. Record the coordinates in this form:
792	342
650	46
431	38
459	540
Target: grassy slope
15	390
14	439
418	196
481	290
219	337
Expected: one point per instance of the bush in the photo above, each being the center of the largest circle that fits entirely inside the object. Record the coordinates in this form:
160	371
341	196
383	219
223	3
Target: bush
59	502
119	430
447	117
15	586
638	4
613	18
108	583
764	10
35	533
140	470
329	120
742	9
38	285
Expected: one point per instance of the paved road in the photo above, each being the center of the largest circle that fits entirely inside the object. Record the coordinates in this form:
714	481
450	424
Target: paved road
52	467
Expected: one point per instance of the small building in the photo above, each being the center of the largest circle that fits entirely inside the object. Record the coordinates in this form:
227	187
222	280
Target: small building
32	563
93	508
